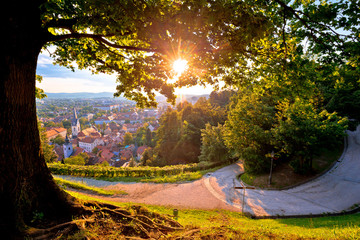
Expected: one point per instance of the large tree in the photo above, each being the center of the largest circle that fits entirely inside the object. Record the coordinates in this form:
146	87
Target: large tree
136	39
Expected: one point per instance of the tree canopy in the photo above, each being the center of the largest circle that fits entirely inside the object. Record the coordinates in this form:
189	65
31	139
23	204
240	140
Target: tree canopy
295	85
139	40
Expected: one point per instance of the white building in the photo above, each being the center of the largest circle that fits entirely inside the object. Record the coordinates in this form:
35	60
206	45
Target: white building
67	147
75	125
89	143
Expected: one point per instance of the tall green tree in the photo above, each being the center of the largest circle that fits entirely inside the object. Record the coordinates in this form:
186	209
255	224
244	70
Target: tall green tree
248	130
213	148
168	134
302	132
128	139
179	134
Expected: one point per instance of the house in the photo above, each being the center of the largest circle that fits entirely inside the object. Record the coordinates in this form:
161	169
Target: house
131	128
101	160
102	120
77	151
89	143
107	155
130	147
140	151
126	154
59	152
51	133
108	107
107	131
114	126
89	132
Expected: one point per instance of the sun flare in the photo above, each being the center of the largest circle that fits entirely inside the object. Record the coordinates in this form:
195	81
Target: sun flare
179	66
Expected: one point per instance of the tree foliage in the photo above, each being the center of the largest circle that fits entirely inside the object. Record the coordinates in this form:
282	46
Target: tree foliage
296	85
301	132
248	130
128	139
139	40
213	148
48	150
80	159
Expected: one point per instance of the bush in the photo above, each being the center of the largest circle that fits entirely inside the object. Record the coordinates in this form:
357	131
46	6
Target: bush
109	172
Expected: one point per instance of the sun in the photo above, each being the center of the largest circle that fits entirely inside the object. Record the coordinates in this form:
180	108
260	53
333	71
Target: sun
179	66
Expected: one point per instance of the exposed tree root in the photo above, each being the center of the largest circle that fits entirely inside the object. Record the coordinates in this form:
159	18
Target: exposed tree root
134	223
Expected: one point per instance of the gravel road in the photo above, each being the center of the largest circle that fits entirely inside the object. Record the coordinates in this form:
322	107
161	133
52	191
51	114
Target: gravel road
333	192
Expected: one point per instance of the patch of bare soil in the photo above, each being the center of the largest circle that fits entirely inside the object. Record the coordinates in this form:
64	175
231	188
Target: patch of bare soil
282	176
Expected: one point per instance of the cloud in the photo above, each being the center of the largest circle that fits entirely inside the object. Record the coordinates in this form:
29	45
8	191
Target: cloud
60	79
44	61
71	85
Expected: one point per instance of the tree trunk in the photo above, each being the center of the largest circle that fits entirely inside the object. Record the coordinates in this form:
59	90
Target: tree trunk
26	185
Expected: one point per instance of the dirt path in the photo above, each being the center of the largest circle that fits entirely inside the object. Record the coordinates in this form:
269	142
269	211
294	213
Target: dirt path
192	195
335	191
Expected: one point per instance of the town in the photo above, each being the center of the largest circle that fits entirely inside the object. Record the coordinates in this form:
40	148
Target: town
92	131
102	130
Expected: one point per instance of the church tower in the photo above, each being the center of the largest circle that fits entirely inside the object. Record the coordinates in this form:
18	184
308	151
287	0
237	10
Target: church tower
75	125
68	149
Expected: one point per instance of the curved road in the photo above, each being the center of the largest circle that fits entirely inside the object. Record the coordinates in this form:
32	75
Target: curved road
333	192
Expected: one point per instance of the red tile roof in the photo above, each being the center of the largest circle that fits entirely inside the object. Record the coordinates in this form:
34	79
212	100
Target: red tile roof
87	140
54	131
107	154
141	149
77	151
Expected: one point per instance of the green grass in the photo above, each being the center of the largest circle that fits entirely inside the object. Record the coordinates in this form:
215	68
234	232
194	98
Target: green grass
82	186
248	178
236	226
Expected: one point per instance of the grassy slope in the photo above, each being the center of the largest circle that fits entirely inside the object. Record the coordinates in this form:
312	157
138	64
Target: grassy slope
82	186
220	224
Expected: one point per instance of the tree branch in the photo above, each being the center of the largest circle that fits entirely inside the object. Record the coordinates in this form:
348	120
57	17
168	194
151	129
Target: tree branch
303	21
62	23
100	38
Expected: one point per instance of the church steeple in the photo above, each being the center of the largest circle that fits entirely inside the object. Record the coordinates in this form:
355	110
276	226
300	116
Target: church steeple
75	125
74	114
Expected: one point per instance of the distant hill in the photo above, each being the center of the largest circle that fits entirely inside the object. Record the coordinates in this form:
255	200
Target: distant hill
81	95
186	97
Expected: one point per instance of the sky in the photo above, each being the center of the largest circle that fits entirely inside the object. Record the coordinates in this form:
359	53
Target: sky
57	79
